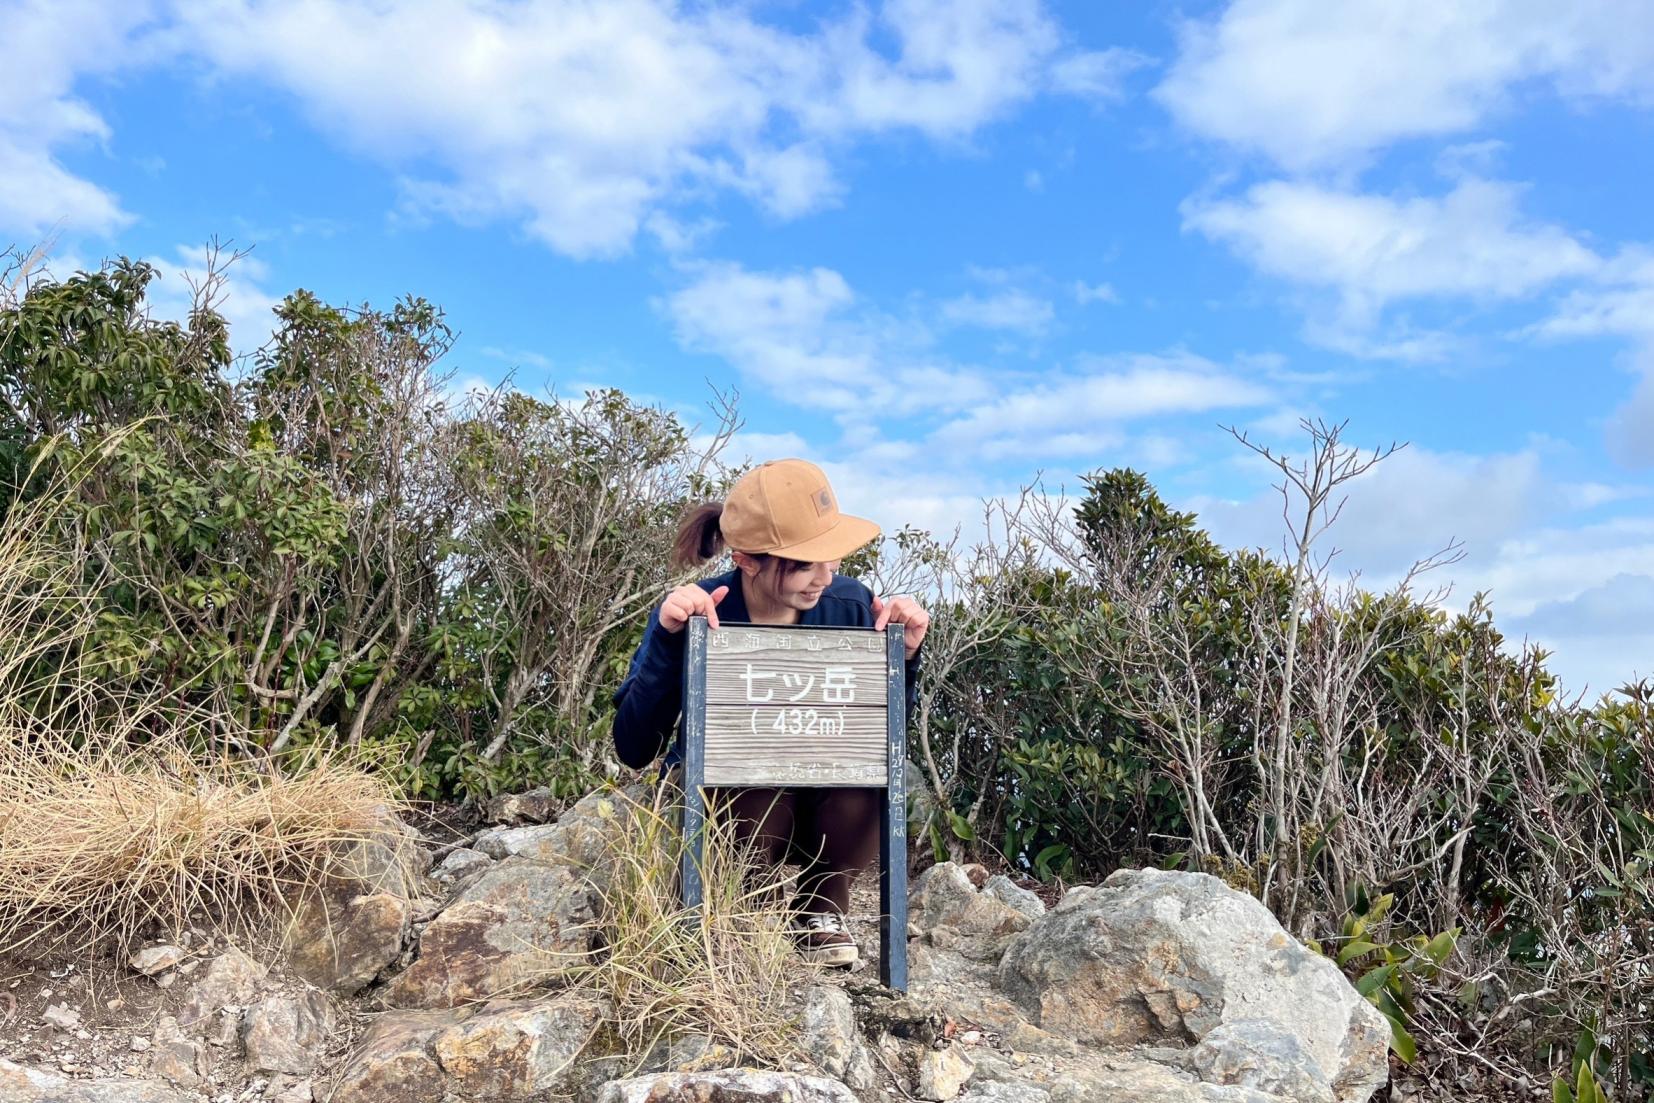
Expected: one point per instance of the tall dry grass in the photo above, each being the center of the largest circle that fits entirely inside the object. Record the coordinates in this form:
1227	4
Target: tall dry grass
120	813
722	971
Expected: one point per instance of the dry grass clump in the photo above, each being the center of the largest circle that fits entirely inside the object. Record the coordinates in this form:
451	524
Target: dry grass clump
110	824
101	843
671	972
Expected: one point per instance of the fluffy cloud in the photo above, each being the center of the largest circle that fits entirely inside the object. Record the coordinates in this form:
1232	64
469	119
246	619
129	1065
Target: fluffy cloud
804	338
1084	414
1373	250
47	48
1012	309
583	120
1312	84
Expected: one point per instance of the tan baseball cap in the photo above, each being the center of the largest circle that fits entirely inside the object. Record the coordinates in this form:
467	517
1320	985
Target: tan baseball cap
786	508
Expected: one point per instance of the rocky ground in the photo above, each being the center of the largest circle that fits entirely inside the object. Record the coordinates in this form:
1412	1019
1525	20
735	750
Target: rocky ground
411	979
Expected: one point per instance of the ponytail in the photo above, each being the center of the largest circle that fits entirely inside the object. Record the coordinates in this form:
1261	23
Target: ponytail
699	537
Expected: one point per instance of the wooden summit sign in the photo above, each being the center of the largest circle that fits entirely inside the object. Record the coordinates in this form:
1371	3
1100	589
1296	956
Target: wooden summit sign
770	706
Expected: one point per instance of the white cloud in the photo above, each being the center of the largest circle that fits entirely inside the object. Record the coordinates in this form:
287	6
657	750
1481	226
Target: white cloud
1312	84
584	120
1373	250
1631	426
47	48
1085	293
804	338
1621	305
1009	309
1083	415
1097	75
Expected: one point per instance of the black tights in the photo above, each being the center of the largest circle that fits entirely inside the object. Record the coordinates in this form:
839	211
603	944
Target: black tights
833	833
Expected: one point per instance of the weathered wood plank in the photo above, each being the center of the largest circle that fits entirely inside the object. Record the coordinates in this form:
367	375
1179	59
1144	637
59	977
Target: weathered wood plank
832	678
795	729
822	775
751	639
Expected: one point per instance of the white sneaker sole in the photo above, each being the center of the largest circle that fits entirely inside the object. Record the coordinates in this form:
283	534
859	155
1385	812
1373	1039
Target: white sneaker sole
831	955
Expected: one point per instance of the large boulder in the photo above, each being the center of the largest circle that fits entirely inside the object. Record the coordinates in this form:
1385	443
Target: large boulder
288	1034
519	922
505	1050
580	838
725	1086
354	923
1164	958
342	943
975	924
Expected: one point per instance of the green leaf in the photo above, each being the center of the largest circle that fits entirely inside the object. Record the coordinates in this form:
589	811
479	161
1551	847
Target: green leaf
961	827
1354	950
1374	979
1401	1041
1560	1092
1442	945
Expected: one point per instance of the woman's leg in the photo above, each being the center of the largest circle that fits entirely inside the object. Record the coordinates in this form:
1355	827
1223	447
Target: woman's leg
837	835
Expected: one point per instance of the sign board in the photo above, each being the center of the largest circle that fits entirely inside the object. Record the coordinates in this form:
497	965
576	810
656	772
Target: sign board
770	706
796	706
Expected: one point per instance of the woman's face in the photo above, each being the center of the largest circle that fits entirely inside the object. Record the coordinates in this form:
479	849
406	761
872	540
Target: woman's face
790	588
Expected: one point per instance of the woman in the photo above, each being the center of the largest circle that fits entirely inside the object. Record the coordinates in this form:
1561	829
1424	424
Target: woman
786	536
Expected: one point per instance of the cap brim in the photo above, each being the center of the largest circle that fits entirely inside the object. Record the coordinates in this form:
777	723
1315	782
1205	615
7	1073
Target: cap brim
837	542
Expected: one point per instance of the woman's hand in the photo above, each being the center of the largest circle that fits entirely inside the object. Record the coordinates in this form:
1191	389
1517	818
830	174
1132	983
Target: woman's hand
690	601
903	610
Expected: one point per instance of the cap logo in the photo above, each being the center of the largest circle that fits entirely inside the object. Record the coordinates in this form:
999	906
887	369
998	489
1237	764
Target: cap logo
824	502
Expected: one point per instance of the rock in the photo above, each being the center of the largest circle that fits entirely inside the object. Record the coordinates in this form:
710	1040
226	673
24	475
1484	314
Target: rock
382	855
1253	1053
25	1085
1155	956
725	1086
964	989
62	1016
175	1057
514	1049
287	1034
459	864
393	1062
138	1044
342	945
579	838
519	921
1007	1091
534	806
1013	895
828	1036
231	981
153	960
942	1073
499	1050
224	1029
301	1092
945	897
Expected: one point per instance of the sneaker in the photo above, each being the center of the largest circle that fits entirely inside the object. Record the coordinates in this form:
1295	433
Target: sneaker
822	939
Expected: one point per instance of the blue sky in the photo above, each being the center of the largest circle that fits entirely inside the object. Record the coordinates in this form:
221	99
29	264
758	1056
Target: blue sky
943	246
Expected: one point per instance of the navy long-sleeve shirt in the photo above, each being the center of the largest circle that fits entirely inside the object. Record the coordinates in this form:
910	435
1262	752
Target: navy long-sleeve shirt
650	701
